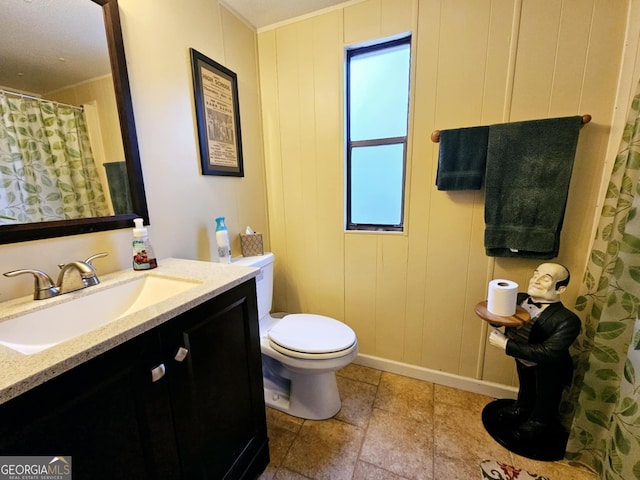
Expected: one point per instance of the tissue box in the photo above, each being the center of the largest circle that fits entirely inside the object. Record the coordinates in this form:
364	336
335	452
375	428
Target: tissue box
251	244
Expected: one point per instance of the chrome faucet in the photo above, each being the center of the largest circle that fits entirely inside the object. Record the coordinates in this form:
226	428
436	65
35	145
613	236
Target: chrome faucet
85	276
43	286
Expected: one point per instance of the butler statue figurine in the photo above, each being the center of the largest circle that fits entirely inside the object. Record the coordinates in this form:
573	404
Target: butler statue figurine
541	351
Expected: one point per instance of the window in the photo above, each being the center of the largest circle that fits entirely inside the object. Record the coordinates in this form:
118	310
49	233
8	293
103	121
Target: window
377	121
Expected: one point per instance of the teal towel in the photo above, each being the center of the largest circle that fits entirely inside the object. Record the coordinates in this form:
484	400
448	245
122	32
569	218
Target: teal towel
527	181
462	158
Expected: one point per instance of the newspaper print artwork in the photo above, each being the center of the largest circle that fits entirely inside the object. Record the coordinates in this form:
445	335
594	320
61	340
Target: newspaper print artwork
218	116
218	101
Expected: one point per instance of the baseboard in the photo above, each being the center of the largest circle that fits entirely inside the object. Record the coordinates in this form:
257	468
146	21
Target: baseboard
495	390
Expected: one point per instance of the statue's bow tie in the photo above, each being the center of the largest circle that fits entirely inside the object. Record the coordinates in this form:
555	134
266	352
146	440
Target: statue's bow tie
537	304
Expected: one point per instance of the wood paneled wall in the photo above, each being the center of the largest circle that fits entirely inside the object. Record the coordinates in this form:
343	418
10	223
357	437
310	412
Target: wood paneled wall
410	296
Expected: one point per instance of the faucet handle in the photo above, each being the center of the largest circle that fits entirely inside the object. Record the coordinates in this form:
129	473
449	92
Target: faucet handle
93	257
43	286
88	261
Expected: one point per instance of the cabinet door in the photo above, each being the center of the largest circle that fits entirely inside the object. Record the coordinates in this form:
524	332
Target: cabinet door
216	390
96	414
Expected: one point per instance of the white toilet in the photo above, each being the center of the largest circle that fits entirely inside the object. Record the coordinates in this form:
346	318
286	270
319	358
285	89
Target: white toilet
300	352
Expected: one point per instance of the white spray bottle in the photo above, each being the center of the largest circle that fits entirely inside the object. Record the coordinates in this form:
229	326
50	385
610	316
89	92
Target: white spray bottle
222	239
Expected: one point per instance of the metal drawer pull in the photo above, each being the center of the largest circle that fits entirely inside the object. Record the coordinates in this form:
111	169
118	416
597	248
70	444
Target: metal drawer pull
157	373
181	354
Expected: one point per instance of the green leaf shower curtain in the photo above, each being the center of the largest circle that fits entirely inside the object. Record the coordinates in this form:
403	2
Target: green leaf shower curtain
605	433
47	170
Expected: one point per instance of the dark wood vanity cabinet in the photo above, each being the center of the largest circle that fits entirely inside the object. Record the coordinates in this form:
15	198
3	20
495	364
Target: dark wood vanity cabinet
94	413
183	400
218	385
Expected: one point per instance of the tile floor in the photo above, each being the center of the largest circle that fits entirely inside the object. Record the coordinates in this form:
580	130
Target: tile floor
393	427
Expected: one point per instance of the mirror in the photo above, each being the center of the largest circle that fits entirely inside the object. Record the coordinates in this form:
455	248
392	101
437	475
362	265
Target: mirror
136	205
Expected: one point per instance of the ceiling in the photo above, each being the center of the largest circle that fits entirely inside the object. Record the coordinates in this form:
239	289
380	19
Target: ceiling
261	13
49	44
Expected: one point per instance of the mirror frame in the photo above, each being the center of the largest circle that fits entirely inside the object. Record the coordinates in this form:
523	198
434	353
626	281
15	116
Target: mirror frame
40	230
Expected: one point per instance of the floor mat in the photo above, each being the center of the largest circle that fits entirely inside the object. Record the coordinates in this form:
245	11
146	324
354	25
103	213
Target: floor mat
492	470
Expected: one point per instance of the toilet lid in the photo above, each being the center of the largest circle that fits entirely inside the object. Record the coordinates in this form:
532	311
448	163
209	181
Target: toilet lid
311	334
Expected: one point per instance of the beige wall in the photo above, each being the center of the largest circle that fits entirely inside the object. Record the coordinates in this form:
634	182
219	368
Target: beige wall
182	202
410	297
101	92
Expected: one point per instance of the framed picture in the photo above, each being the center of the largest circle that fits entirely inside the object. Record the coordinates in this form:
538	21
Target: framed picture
218	115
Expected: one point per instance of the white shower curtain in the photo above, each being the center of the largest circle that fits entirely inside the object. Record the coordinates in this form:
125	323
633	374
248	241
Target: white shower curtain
47	171
605	432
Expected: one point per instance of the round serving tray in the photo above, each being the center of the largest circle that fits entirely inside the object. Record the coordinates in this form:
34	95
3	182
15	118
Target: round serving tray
516	320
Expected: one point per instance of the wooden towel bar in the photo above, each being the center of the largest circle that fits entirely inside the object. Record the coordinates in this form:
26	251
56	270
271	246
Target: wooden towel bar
435	135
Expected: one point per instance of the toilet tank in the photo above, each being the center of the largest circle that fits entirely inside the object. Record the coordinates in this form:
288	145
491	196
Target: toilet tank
264	280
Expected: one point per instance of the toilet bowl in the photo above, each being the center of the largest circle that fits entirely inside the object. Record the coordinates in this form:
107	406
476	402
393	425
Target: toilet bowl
300	352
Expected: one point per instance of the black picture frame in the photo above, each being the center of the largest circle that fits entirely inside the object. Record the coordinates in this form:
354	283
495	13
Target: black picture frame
215	89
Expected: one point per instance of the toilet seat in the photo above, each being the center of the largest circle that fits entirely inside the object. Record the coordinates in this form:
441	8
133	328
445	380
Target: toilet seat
304	335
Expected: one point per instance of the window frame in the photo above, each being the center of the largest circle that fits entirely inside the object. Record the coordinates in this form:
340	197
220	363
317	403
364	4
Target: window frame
351	52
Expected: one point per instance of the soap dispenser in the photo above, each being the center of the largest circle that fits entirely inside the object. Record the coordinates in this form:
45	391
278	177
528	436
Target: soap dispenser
222	239
143	256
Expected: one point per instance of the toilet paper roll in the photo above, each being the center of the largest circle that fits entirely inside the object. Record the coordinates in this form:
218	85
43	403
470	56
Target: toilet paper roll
502	297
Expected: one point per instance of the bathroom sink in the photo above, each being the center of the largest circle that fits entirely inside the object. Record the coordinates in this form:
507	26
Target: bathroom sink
42	329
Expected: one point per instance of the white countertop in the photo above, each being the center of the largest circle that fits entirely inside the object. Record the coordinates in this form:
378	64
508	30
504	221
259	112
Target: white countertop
19	373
